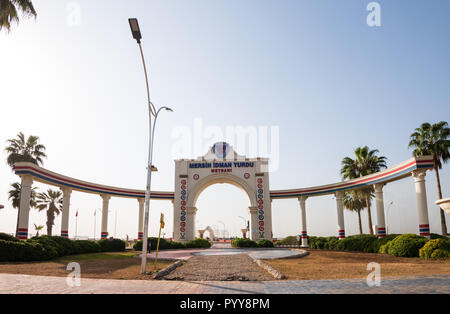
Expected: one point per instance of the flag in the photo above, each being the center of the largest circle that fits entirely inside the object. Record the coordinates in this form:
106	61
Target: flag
161	221
76	215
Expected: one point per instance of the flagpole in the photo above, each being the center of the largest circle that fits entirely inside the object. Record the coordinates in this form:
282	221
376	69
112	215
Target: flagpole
95	222
76	225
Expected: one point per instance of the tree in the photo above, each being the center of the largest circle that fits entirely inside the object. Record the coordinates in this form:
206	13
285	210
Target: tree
355	201
38	228
28	150
18	150
51	201
9	11
14	196
433	139
366	162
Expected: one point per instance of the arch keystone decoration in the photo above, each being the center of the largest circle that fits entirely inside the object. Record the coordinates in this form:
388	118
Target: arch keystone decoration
222	164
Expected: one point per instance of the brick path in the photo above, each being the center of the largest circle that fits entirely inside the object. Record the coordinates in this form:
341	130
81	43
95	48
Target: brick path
10	283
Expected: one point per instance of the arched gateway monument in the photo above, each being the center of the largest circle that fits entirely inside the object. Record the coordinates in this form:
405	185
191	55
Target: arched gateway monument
222	164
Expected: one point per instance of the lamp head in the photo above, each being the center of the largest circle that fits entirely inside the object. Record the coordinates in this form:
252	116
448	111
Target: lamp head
135	30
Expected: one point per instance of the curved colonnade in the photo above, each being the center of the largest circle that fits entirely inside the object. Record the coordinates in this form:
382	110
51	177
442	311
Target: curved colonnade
415	167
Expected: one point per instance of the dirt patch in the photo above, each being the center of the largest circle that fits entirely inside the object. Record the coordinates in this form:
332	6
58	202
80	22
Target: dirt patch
124	268
340	265
239	267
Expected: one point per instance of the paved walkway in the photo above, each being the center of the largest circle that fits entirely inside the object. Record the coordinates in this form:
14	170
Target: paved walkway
10	283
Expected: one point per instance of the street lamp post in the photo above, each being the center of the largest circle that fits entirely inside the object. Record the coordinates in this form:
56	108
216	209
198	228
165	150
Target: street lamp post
136	32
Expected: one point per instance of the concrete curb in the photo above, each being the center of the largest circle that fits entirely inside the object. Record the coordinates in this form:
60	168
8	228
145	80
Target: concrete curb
275	273
165	271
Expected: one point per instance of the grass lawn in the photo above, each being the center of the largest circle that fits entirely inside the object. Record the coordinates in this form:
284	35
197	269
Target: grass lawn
321	264
120	265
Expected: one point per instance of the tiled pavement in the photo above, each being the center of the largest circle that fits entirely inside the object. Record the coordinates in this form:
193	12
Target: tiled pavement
10	283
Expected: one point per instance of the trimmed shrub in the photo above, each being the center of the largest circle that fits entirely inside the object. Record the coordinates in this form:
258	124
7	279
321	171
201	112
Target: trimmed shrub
441	254
376	245
265	243
11	251
198	243
317	243
290	240
437	248
332	244
241	242
163	244
175	245
52	245
86	246
8	237
113	245
434	236
406	245
357	243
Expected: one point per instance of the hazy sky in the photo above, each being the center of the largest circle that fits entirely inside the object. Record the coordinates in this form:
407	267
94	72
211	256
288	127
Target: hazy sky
314	69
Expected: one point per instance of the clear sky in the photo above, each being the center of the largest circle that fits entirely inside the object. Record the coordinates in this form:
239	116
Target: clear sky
314	69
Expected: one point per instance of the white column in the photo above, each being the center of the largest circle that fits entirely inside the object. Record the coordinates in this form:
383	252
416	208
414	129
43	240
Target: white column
105	207
254	232
340	214
65	212
24	207
379	201
422	207
141	218
304	233
190	223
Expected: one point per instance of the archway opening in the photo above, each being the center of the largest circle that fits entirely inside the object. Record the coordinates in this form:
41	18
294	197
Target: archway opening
223	207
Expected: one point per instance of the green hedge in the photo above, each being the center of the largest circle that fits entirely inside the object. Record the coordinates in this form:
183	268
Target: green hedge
12	251
86	246
49	247
434	236
62	246
317	243
264	243
241	242
113	245
437	248
376	245
357	243
7	237
290	240
198	243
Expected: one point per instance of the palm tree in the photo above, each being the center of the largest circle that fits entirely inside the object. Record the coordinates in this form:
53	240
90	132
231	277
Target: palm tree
433	139
9	8
355	201
366	162
38	228
18	150
14	196
28	150
51	201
